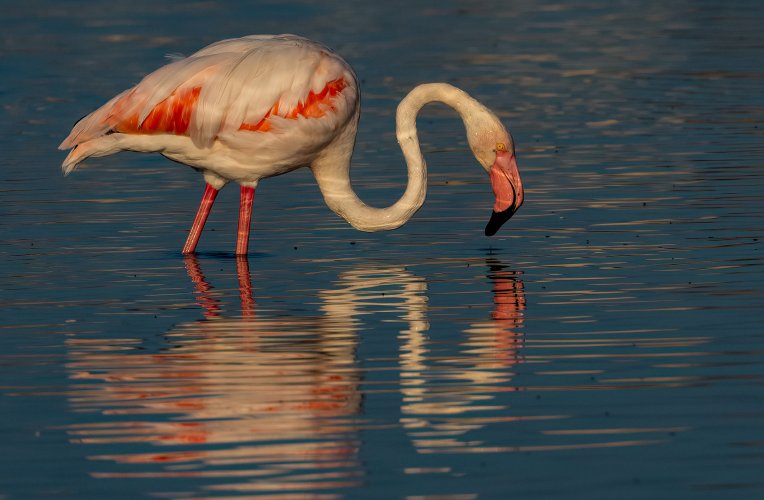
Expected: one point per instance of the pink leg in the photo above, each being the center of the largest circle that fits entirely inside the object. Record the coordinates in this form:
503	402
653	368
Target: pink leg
245	215
201	217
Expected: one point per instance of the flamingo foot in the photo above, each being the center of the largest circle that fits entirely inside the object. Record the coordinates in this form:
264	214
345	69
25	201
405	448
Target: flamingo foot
245	216
205	206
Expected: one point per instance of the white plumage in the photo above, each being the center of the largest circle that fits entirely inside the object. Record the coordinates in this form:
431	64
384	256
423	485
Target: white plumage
240	81
253	107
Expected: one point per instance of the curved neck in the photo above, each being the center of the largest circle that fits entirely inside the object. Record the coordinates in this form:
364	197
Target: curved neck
332	167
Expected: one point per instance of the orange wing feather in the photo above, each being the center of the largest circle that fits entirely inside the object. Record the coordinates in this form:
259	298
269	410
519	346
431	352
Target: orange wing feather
170	116
173	115
313	107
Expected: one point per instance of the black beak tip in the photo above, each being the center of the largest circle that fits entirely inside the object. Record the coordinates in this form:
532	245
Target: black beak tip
497	220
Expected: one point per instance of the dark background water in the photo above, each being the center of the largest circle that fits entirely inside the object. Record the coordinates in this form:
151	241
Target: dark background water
607	341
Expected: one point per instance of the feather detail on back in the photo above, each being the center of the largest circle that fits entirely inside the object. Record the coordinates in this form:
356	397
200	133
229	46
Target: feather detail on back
232	86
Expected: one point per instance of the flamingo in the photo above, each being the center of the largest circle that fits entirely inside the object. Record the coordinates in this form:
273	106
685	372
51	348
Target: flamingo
249	108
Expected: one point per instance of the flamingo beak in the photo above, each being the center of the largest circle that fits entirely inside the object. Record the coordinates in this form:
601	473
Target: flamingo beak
507	187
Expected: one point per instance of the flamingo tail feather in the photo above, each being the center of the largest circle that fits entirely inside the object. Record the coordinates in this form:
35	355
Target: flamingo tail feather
100	146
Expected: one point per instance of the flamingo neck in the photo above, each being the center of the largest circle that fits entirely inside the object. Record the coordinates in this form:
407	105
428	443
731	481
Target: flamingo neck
332	167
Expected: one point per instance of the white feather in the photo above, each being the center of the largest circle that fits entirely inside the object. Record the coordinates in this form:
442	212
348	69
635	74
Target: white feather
241	80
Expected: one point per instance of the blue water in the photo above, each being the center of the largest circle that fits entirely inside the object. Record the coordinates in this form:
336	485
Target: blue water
606	343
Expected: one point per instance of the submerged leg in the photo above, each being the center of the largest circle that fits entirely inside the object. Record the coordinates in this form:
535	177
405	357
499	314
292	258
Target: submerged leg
201	217
245	215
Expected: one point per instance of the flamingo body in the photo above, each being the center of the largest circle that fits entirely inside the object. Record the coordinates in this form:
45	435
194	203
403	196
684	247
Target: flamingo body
239	110
249	108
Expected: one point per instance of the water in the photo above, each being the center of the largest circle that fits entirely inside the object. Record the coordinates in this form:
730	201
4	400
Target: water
606	343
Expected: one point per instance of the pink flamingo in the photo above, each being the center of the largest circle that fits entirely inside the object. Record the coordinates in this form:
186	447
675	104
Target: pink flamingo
254	107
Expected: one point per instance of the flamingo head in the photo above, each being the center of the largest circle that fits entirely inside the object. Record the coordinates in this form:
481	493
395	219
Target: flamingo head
494	148
507	187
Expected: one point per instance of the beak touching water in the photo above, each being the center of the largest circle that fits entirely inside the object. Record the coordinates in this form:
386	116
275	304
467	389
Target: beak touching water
507	187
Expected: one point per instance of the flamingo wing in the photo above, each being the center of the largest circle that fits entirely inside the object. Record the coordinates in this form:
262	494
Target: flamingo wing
230	86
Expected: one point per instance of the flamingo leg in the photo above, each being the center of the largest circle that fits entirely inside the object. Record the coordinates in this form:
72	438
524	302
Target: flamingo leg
201	217
245	215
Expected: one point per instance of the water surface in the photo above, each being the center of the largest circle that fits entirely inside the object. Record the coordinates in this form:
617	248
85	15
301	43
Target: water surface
606	342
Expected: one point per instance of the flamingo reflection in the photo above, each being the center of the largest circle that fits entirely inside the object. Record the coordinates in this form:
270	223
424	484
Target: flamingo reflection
273	403
442	392
204	291
269	402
